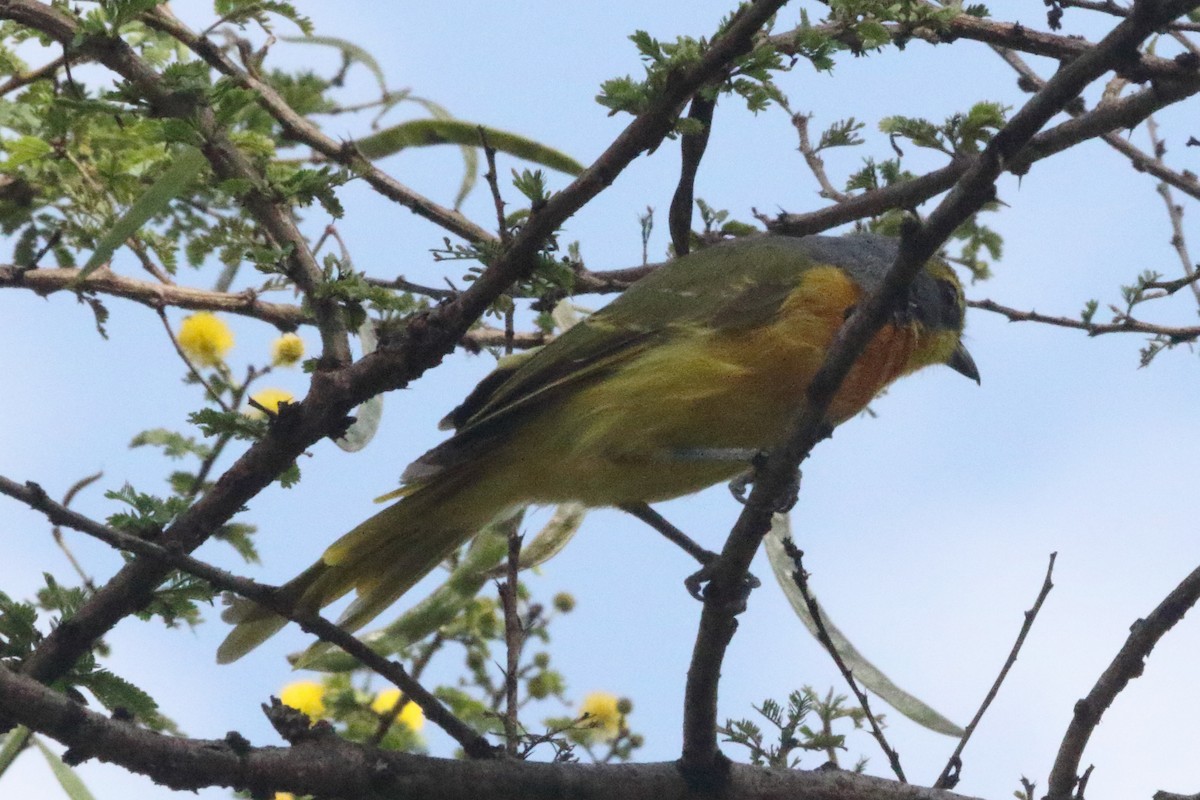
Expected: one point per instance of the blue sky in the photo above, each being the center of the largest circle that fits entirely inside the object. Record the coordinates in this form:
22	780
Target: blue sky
927	529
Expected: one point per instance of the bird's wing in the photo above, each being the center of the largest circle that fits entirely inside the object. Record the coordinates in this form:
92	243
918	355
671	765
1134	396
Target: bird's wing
740	284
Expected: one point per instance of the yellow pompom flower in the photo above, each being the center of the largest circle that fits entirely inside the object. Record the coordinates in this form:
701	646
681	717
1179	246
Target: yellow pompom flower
603	713
284	796
205	338
411	715
287	350
304	696
270	400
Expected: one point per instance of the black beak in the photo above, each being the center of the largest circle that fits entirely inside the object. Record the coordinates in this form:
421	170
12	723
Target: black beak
962	363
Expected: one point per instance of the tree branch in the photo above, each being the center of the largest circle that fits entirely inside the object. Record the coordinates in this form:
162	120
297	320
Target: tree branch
326	766
1124	325
953	769
1127	665
246	303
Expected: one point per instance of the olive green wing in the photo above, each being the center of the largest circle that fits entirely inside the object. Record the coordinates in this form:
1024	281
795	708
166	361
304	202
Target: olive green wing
738	284
741	283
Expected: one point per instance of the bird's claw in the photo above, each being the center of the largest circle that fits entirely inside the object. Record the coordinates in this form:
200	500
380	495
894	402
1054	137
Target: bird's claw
739	488
697	585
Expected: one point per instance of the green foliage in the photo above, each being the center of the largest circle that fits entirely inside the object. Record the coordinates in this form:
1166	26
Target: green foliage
240	12
749	78
1088	314
843	133
18	636
174	445
793	730
148	515
717	222
960	134
63	600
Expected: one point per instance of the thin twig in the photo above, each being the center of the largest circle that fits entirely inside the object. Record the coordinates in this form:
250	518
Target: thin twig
45	71
658	522
493	181
1125	324
816	164
514	641
1140	160
1174	213
246	303
800	578
950	774
297	128
56	530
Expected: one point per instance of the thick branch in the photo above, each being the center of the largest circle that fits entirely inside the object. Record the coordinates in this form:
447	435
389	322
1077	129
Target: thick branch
1015	36
326	766
1141	160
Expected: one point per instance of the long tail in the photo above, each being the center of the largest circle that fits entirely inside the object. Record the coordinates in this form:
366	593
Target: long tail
380	559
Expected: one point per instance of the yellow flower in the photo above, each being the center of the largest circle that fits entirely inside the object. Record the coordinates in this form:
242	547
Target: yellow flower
287	350
270	400
284	796
205	338
305	696
603	713
411	715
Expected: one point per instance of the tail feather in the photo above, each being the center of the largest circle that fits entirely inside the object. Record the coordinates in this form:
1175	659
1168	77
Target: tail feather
380	560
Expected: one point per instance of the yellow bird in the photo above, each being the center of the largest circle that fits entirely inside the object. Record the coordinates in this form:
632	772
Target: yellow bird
661	393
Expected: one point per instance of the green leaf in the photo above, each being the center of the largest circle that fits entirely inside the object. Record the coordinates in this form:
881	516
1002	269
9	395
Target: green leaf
866	672
422	132
469	154
14	745
68	779
25	149
186	165
553	537
115	692
350	50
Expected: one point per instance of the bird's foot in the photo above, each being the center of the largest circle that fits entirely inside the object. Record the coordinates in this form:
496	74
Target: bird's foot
739	487
697	585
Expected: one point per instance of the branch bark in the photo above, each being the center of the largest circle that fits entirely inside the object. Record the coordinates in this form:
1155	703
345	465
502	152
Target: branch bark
327	766
1127	665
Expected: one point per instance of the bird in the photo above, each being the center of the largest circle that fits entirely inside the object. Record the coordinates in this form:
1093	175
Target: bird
670	388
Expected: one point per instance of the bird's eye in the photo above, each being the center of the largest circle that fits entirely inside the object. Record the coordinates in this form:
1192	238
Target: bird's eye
949	293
